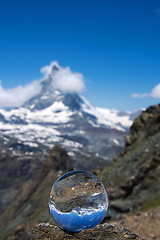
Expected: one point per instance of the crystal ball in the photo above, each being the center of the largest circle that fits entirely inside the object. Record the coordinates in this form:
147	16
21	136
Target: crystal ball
78	201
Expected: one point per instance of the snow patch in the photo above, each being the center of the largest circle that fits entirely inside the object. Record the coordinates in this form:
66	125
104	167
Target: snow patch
115	141
107	117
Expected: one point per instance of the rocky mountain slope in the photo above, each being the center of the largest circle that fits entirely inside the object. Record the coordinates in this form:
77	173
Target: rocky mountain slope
145	224
31	203
132	182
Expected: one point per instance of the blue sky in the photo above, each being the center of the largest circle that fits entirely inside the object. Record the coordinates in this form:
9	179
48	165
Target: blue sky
115	44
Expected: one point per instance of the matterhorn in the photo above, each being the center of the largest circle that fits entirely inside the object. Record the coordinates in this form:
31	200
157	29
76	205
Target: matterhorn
59	115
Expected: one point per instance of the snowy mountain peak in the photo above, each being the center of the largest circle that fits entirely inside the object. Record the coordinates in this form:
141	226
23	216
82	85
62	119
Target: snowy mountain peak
67	119
59	115
55	69
49	95
77	104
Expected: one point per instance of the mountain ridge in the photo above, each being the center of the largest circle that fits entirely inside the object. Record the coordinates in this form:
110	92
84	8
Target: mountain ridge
54	117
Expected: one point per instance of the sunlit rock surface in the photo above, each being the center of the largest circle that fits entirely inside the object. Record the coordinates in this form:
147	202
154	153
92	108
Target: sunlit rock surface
103	231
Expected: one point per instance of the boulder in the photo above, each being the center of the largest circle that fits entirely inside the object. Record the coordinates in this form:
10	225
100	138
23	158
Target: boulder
105	231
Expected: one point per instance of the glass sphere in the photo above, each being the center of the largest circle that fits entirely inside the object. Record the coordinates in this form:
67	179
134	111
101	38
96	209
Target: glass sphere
78	201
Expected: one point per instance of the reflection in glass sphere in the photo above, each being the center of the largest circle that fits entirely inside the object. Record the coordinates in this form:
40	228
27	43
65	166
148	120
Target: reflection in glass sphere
78	201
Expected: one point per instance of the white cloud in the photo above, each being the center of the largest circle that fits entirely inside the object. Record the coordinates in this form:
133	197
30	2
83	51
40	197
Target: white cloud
63	79
67	81
155	93
17	96
140	95
46	70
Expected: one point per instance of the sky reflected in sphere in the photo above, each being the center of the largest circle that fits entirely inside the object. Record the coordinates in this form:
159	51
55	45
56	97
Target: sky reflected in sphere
78	201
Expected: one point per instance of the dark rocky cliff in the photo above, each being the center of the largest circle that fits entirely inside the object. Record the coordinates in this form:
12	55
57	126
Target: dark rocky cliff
133	181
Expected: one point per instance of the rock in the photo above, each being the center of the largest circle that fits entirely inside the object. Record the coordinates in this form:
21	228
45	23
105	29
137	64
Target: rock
20	233
103	231
144	224
34	195
58	160
115	193
133	180
144	126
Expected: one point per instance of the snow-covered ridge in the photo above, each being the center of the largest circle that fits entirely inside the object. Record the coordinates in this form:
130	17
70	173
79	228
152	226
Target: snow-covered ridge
57	123
49	125
108	117
67	119
59	113
56	113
